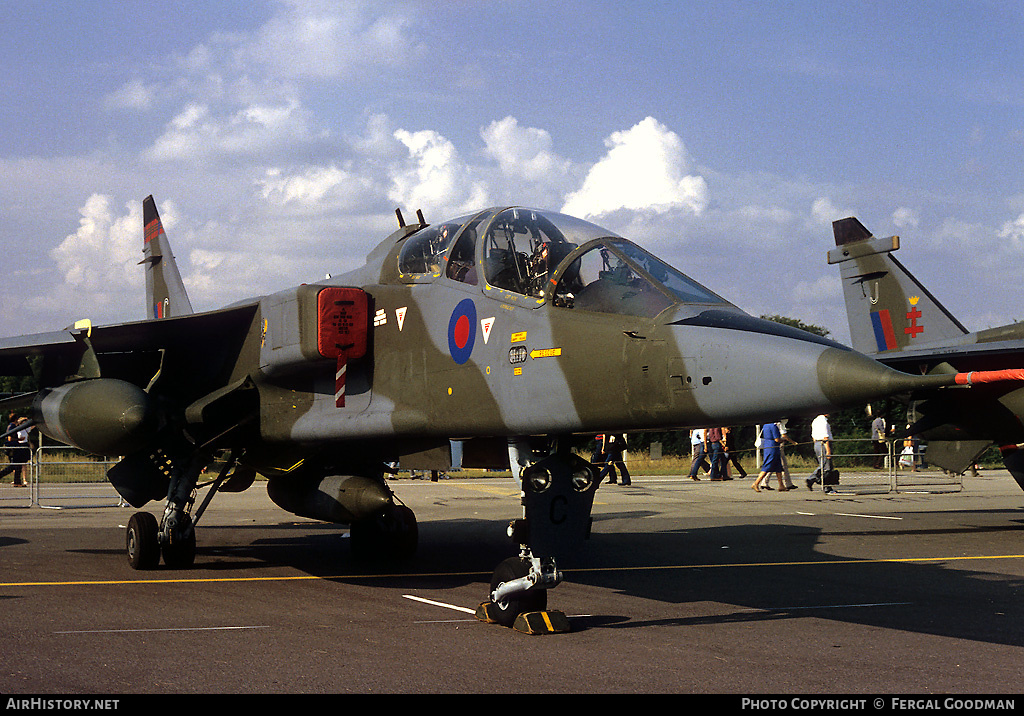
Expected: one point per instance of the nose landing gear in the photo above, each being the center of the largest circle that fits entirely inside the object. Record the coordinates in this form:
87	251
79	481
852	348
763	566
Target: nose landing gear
557	497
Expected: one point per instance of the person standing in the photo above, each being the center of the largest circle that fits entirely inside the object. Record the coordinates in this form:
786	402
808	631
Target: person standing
783	439
731	454
614	447
697	448
878	435
821	434
713	439
598	457
19	453
771	460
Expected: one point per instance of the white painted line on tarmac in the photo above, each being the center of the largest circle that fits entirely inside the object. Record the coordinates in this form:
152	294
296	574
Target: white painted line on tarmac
850	514
838	606
439	604
137	631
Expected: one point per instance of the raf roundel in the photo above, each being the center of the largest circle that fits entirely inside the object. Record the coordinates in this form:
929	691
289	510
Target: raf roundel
462	331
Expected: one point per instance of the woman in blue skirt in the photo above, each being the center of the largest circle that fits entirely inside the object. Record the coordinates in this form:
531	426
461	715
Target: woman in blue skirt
771	460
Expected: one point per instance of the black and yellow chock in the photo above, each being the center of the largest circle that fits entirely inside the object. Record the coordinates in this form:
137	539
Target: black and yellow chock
546	622
485	612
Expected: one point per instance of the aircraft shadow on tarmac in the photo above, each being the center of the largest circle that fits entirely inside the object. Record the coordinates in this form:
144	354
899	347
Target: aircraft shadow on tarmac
452	547
757	572
777	571
6	541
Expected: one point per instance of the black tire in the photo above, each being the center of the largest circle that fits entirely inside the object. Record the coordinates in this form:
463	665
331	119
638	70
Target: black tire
403	536
141	541
535	600
392	535
181	553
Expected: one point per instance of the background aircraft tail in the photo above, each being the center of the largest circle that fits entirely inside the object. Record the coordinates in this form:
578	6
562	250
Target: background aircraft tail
887	308
165	293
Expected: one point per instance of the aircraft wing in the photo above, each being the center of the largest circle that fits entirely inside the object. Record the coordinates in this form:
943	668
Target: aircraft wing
973	356
15	351
187	329
54	356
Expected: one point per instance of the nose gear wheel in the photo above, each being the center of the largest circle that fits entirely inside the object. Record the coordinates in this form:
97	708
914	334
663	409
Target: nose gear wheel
506	610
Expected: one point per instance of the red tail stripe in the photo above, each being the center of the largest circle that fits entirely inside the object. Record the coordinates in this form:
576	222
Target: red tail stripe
153	229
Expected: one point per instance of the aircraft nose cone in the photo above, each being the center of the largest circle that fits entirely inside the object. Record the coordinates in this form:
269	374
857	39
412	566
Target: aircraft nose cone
789	372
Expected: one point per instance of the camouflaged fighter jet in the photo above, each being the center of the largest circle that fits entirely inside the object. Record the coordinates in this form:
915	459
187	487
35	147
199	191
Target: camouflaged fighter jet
897	321
509	330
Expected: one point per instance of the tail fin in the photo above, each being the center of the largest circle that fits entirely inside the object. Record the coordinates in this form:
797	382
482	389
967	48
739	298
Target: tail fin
887	308
165	293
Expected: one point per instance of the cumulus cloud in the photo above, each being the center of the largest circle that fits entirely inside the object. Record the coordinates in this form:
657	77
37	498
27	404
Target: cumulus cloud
905	218
1013	231
523	151
321	39
433	176
97	262
95	256
824	212
134	95
244	91
217	275
256	129
378	140
645	169
326	188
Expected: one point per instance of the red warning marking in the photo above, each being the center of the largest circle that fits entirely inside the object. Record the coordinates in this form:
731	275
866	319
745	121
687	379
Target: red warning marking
153	229
989	376
339	381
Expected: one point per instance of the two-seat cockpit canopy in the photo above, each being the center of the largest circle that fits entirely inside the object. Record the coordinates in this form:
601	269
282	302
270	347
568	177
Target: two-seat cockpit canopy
540	256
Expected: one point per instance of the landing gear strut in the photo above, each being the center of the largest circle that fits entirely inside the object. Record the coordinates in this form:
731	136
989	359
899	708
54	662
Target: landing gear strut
516	589
174	537
557	496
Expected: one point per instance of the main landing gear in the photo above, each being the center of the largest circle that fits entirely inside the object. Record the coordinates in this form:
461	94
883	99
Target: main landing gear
381	527
174	536
146	541
391	534
557	496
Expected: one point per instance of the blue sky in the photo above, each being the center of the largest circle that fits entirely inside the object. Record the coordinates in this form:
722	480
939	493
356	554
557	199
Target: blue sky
278	138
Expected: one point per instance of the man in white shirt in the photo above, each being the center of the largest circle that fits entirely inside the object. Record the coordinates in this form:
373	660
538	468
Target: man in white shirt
821	434
698	448
878	433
